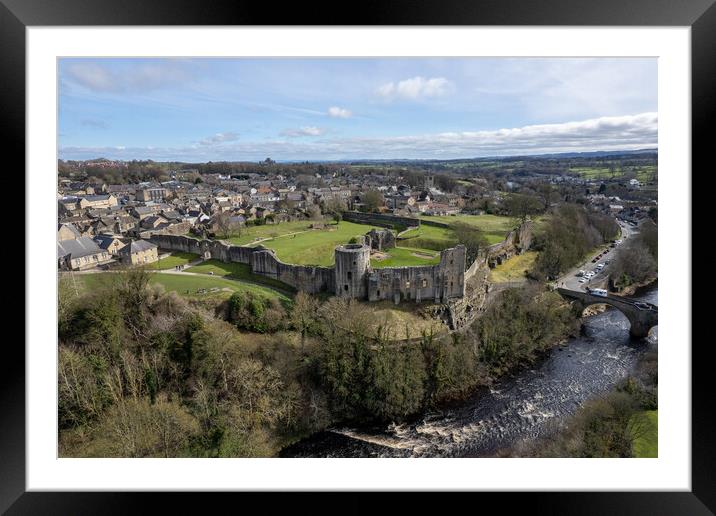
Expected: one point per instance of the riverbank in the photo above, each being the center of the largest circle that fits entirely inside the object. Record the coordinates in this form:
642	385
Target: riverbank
637	288
530	404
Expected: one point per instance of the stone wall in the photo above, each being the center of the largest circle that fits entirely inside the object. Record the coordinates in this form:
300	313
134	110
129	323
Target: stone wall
380	219
379	239
517	241
353	277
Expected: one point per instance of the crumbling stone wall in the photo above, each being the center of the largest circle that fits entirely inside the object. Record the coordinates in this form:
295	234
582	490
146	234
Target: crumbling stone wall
436	283
517	241
379	239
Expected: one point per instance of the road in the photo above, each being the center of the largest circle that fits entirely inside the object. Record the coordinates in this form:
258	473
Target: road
571	281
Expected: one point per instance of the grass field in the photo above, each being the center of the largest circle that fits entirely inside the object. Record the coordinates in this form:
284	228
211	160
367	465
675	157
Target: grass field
647	445
645	173
187	285
238	271
494	227
428	237
315	247
402	257
176	258
250	234
514	268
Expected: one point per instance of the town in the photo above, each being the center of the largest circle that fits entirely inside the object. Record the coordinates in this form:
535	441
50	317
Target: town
370	257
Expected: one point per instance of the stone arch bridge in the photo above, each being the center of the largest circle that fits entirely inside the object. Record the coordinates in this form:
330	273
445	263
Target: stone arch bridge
642	316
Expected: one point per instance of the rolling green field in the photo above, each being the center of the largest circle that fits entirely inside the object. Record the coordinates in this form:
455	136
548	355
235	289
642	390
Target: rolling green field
188	285
315	247
645	173
238	271
647	445
176	258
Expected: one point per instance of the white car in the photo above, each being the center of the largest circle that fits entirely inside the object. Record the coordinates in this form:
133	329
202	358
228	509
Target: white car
583	280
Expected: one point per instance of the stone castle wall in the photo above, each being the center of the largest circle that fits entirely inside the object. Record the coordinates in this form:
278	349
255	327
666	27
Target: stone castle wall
352	275
380	219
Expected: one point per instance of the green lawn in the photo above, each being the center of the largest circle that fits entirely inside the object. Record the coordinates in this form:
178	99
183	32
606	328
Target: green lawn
315	247
176	258
402	257
647	445
250	234
239	271
187	285
494	227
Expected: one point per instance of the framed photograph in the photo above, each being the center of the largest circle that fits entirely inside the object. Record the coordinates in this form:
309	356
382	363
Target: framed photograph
417	250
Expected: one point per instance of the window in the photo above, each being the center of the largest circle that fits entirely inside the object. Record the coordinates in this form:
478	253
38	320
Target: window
345	287
350	275
425	283
378	293
407	284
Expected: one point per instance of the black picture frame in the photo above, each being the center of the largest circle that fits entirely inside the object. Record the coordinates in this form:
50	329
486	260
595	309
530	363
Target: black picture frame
16	15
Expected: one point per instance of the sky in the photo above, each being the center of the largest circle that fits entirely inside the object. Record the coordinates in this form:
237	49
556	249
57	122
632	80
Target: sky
296	109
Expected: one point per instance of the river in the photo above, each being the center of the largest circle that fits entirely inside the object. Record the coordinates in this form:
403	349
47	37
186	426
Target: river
532	403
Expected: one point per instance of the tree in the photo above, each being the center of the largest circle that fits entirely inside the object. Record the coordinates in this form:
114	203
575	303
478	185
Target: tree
303	314
521	205
225	226
373	200
472	238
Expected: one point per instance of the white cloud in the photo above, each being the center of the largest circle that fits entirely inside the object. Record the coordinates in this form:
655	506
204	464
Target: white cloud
136	78
628	132
338	112
219	138
416	88
303	131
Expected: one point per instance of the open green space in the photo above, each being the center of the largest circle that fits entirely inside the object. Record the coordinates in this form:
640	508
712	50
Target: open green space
493	227
188	285
645	173
402	257
176	258
646	445
239	271
315	247
251	234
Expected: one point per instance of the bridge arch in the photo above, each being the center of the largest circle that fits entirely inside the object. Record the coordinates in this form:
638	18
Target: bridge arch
642	316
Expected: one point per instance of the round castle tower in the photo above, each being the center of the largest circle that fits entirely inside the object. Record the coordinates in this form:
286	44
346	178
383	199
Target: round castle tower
352	266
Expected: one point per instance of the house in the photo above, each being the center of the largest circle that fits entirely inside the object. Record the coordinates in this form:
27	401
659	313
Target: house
153	222
98	201
80	253
68	205
139	252
141	212
109	243
151	194
67	232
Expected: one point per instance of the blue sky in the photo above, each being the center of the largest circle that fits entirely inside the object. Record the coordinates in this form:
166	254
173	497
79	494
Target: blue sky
205	109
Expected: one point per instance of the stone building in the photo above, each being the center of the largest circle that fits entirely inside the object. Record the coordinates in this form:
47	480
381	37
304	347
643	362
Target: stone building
80	253
139	252
151	194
